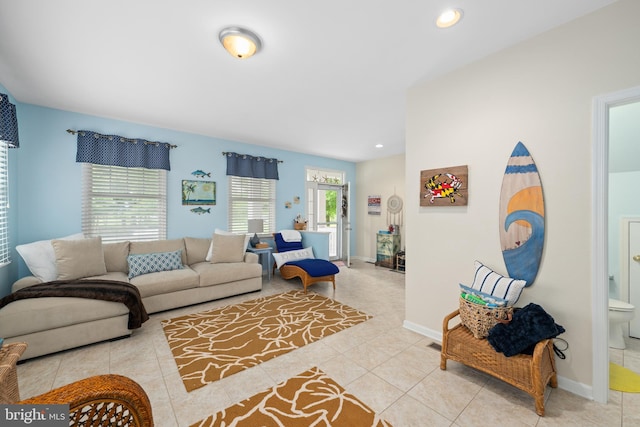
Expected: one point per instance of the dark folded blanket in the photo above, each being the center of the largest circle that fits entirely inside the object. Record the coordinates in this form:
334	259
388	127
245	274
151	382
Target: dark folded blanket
107	290
529	325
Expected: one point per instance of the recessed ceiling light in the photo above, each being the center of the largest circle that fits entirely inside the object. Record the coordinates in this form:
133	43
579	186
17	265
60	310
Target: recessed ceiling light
379	145
449	18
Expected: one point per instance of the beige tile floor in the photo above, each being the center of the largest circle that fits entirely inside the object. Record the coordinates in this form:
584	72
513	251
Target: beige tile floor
394	371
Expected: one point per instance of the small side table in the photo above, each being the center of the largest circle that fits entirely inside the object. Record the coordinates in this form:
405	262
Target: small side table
9	355
262	254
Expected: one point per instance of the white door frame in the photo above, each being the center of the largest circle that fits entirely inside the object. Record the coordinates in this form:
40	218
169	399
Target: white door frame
599	237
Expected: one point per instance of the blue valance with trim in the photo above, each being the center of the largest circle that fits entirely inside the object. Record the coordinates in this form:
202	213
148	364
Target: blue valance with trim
114	150
251	166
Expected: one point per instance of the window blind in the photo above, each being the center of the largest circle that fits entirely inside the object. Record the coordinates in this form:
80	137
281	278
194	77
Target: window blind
251	198
121	203
4	203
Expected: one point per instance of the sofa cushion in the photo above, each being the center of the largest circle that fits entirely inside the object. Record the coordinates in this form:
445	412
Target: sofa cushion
228	248
215	274
43	314
79	258
197	249
41	259
247	238
115	256
165	282
118	276
154	262
158	246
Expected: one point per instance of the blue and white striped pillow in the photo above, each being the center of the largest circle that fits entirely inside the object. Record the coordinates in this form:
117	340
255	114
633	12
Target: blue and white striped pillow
488	281
154	262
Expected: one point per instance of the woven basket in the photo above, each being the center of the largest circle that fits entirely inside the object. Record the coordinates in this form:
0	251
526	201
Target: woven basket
480	318
299	226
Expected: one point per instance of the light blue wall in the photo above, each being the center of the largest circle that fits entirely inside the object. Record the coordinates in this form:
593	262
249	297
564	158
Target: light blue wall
49	179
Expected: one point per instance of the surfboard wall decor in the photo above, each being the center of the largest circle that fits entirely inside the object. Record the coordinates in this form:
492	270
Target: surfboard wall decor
522	216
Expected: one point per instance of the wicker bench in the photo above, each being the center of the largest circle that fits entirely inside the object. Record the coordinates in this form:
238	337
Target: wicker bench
530	373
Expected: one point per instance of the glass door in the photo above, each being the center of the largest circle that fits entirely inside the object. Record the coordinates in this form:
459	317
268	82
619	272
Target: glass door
328	209
328	218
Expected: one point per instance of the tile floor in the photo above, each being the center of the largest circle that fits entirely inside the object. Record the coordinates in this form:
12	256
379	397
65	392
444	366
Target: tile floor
393	370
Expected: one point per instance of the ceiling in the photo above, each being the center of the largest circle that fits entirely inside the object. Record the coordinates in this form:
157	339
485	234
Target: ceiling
330	80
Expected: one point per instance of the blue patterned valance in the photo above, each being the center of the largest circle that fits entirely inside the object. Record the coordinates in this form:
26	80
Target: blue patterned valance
114	150
251	166
8	122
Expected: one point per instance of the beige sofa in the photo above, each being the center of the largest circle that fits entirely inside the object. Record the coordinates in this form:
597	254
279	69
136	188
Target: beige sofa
52	324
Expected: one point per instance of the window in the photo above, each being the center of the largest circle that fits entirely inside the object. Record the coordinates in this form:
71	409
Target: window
120	203
251	198
4	203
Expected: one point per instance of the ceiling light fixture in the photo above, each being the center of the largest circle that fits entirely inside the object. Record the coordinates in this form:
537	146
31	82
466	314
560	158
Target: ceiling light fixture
379	145
449	18
240	42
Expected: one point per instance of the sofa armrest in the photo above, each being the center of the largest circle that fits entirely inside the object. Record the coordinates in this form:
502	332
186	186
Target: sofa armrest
251	258
25	282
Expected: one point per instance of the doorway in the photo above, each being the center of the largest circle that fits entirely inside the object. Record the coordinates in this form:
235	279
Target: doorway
630	269
600	246
328	210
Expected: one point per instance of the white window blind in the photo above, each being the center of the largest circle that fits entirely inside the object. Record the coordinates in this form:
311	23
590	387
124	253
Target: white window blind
251	198
4	203
121	203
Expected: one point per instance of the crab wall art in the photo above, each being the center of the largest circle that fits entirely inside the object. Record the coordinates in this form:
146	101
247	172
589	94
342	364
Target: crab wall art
444	187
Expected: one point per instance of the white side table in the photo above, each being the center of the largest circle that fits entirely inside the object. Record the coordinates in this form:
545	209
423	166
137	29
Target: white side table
262	254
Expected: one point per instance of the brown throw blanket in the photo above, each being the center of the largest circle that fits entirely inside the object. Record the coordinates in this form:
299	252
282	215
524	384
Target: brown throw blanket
107	290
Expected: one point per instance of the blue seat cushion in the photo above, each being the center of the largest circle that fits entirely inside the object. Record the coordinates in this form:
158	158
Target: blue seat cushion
316	267
286	246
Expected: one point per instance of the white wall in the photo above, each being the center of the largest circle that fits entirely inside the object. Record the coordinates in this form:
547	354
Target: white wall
539	92
384	177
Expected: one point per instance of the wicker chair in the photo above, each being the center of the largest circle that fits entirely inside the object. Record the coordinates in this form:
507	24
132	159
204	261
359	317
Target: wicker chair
529	373
102	400
9	356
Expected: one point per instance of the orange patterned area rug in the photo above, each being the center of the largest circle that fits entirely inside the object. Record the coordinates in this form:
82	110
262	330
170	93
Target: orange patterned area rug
214	344
308	399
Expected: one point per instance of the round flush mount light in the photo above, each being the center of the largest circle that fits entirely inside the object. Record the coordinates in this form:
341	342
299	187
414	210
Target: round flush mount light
449	18
240	42
379	145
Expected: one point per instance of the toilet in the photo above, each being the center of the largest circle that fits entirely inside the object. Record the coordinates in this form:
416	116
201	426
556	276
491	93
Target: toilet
620	313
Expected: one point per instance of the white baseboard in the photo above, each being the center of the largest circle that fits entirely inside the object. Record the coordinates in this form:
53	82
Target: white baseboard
364	259
429	333
582	390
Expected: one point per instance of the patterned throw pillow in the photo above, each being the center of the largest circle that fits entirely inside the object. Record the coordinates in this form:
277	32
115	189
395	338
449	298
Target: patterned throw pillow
490	282
284	257
154	262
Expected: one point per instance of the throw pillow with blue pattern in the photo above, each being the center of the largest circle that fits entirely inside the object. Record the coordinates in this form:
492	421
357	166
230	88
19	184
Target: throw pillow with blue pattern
154	262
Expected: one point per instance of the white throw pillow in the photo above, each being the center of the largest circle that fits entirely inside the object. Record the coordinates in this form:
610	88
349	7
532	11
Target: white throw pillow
285	257
492	283
41	258
225	233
